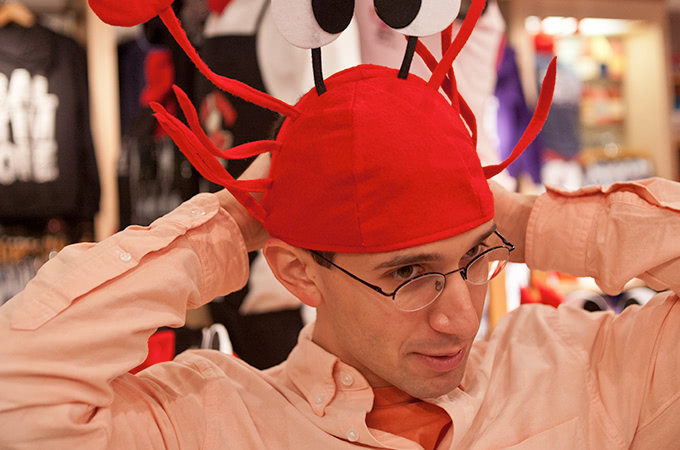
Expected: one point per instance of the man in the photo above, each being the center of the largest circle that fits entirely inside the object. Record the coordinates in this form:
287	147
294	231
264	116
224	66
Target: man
394	251
562	377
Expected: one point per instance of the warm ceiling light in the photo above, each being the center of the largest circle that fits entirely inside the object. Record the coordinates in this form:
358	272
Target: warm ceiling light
603	27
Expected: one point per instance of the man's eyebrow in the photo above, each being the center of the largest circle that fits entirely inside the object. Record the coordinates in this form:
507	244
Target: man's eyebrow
407	260
483	237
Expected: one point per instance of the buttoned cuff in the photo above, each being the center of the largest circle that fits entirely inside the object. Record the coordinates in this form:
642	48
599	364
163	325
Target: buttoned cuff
558	229
221	249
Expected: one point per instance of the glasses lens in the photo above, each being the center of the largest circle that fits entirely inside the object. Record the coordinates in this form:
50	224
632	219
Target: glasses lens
488	266
419	293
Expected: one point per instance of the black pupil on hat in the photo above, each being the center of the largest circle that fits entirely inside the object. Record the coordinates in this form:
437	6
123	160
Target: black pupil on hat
398	13
333	16
591	306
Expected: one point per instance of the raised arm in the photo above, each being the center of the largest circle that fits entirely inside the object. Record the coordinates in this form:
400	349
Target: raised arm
69	339
631	360
611	234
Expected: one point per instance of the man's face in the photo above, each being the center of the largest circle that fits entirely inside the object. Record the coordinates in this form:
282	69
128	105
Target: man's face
423	353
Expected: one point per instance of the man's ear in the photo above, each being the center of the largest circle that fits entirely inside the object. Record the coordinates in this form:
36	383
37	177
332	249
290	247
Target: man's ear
291	266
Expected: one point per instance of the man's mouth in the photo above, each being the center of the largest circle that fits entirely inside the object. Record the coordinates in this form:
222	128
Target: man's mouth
442	362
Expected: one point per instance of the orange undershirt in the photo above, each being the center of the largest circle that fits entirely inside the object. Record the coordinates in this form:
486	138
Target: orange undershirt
396	412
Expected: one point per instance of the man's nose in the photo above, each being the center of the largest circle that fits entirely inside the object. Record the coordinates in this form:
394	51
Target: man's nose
454	310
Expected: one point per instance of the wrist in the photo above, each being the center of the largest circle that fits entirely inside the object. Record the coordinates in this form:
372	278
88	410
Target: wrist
251	229
512	217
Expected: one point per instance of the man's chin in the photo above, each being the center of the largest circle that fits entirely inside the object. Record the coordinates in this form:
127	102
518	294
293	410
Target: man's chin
434	387
423	383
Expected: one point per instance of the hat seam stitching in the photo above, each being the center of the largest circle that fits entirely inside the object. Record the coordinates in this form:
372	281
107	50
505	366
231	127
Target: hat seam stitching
354	177
475	189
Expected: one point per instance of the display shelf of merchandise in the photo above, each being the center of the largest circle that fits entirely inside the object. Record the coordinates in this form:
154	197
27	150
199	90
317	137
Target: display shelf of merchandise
625	104
615	56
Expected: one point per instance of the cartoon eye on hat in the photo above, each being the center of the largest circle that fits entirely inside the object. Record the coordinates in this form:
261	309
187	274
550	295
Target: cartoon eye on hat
313	24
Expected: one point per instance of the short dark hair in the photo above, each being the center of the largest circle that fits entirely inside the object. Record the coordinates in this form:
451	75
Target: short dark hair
319	259
276	127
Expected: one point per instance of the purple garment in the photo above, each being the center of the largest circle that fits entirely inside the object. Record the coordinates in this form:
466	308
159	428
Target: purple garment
513	118
562	130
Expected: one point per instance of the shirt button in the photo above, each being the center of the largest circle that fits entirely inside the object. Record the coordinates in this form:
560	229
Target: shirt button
352	435
347	379
319	399
125	257
197	213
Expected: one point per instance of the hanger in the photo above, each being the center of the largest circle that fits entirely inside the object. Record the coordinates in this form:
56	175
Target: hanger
13	11
216	337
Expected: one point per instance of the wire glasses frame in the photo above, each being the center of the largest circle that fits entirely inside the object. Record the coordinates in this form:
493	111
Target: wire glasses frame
420	291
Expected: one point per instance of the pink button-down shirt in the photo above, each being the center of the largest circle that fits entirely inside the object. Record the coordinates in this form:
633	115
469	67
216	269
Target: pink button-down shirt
547	378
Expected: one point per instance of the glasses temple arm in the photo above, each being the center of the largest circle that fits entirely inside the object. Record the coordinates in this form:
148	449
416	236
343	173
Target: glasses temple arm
510	246
365	283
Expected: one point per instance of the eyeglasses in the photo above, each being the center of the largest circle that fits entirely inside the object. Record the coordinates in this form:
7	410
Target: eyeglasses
420	291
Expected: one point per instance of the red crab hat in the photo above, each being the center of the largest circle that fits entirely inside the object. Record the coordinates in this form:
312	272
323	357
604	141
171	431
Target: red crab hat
370	160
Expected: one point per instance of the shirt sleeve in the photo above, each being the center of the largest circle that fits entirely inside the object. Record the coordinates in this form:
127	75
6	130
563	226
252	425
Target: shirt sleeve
72	335
633	360
612	234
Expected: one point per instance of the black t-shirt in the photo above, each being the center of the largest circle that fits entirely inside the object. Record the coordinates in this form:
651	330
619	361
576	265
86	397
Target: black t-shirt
47	162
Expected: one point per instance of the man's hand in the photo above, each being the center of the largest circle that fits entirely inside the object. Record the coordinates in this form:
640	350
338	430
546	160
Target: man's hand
512	217
253	232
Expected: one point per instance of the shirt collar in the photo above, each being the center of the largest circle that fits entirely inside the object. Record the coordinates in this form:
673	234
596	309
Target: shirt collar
319	375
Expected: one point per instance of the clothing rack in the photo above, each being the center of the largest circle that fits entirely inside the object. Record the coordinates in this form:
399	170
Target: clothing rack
15	249
12	11
47	6
21	257
66	17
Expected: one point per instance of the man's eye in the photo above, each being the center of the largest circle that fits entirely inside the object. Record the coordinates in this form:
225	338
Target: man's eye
474	252
405	273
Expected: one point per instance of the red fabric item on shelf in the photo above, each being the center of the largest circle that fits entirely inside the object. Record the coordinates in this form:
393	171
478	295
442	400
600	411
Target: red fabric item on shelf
128	13
544	44
160	76
218	5
159	71
161	349
540	294
396	412
549	296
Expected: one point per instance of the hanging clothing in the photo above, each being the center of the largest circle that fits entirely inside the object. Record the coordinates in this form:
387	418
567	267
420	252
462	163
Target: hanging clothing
561	133
47	161
513	118
131	79
229	120
14	277
153	175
